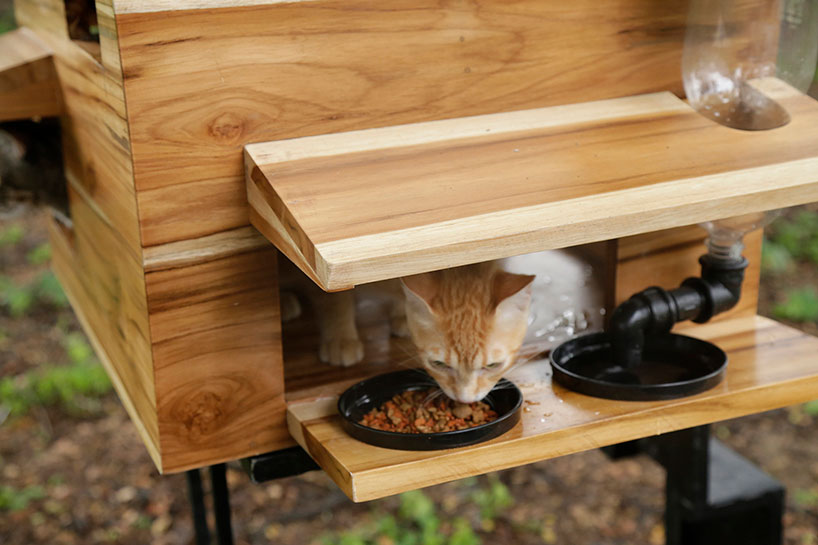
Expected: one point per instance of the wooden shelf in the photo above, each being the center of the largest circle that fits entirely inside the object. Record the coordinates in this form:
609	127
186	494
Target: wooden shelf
28	81
770	366
357	207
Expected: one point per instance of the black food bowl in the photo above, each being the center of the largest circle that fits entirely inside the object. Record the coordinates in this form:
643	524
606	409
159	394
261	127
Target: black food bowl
371	393
672	366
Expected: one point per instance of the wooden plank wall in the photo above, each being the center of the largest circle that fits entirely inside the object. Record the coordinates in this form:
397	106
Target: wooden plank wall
202	378
216	334
28	81
99	260
202	83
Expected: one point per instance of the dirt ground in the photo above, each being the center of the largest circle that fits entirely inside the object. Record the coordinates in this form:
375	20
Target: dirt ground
93	481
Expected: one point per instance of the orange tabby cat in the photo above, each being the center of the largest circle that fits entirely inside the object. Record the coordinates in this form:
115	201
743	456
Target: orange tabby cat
467	323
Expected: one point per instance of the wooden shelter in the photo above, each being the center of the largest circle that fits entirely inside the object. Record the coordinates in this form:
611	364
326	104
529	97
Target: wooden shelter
374	140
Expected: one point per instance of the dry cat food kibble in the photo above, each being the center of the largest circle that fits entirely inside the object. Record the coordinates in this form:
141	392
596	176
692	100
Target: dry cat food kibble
418	411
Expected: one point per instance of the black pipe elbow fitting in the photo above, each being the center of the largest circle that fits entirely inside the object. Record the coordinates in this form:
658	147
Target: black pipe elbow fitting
656	310
720	284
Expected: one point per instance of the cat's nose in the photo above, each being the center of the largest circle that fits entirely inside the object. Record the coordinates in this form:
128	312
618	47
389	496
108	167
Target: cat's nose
468	397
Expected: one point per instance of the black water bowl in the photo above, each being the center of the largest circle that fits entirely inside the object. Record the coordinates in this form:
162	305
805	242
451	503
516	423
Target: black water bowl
360	398
672	366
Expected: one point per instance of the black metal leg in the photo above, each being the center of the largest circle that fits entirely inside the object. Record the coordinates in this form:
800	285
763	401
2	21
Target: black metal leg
714	495
196	495
221	504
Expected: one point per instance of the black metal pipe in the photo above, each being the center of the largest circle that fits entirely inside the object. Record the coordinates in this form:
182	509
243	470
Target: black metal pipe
656	310
221	504
196	495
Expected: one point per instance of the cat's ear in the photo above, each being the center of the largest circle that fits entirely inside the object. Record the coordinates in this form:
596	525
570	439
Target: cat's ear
421	291
422	286
512	290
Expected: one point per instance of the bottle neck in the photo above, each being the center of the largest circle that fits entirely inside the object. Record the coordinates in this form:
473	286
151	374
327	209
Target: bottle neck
725	251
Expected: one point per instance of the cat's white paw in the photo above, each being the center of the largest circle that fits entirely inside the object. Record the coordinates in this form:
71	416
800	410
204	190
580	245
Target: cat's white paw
344	352
399	326
290	306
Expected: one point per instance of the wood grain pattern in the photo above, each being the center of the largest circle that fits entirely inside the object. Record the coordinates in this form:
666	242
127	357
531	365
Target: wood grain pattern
770	366
361	216
99	261
216	336
46	17
147	6
201	380
665	258
283	70
108	39
201	250
106	288
28	81
96	148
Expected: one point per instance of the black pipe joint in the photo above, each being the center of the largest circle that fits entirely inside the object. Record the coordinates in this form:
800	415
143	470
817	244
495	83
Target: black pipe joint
719	285
656	310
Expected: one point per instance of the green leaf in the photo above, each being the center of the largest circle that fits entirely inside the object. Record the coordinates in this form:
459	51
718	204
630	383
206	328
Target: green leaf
349	538
798	235
12	234
50	291
12	499
76	387
416	506
494	499
811	408
801	305
805	498
775	258
39	255
77	349
388	526
18	299
462	533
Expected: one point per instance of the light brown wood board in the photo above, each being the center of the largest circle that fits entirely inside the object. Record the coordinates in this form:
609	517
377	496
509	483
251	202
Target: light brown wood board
99	259
106	288
363	206
201	83
216	334
665	258
770	366
160	377
28	81
46	17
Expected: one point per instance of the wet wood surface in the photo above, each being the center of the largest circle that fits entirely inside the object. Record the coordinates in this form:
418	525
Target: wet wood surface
770	366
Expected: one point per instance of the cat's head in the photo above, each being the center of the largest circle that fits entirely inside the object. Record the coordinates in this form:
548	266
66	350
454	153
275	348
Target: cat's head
468	324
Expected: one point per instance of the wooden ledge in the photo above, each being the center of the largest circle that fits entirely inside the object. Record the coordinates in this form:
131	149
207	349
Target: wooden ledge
28	80
770	366
357	207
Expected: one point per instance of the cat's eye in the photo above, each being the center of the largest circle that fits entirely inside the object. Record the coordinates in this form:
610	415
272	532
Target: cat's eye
494	365
441	364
